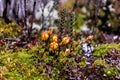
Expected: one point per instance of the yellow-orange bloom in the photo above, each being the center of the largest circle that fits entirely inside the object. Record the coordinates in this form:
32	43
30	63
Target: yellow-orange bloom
65	40
44	36
90	37
54	45
55	38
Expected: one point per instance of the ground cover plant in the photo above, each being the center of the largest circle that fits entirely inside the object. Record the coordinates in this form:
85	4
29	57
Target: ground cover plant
60	40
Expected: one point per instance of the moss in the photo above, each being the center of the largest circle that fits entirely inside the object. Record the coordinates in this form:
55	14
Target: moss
100	63
19	65
101	50
111	72
10	29
83	63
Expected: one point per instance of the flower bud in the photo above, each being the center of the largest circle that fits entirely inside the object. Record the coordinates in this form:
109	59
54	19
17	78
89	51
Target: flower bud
65	40
55	38
54	45
44	36
90	37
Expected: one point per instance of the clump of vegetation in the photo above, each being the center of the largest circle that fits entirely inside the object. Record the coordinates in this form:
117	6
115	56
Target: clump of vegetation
111	72
101	50
65	52
9	30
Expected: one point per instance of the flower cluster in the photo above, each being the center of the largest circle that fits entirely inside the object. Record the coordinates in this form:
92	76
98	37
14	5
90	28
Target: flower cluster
47	35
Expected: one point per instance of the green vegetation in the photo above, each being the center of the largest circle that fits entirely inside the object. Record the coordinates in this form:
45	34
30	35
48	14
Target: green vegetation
65	52
101	50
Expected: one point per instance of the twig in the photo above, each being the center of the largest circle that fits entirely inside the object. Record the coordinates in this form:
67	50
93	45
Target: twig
55	2
97	6
30	30
74	6
25	18
7	2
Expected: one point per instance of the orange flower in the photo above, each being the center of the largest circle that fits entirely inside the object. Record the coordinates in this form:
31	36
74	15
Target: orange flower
90	37
44	36
54	45
65	40
50	31
55	38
